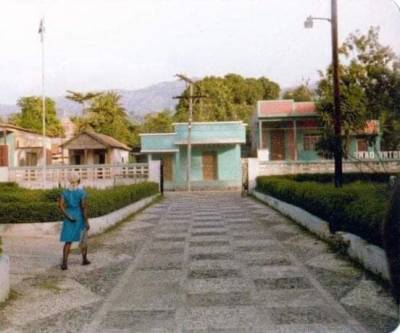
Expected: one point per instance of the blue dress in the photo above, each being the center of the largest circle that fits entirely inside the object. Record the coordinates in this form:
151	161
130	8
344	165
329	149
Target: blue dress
71	231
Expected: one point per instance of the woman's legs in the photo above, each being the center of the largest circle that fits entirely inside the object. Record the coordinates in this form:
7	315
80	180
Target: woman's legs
66	249
85	260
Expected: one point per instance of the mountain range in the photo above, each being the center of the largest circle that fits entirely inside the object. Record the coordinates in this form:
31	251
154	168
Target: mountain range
137	103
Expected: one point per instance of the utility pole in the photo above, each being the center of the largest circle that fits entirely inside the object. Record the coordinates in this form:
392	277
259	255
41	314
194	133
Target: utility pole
189	138
338	154
337	117
42	32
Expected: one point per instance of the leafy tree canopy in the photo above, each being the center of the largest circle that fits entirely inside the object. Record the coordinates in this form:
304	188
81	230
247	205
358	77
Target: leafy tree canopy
231	97
160	122
301	93
106	115
370	88
30	116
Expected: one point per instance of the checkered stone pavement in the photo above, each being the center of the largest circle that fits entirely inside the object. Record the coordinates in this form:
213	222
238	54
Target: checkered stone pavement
218	262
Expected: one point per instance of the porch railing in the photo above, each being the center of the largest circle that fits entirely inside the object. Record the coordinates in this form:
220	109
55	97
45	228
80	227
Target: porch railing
88	173
380	155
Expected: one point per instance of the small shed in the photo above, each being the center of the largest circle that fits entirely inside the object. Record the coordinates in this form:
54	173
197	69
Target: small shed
91	148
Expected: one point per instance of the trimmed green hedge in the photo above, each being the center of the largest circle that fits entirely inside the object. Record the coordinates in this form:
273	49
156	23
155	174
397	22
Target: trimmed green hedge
357	207
19	205
347	177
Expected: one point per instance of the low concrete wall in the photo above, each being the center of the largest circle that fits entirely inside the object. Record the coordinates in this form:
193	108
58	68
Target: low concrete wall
275	168
307	220
4	174
371	257
97	224
211	185
4	277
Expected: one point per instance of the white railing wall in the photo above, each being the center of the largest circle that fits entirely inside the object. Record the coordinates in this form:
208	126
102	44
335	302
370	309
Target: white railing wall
257	167
101	175
379	155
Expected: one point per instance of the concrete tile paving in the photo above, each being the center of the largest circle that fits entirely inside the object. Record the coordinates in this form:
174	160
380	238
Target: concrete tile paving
202	262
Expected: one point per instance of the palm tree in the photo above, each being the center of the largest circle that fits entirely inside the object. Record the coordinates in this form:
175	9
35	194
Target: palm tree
82	98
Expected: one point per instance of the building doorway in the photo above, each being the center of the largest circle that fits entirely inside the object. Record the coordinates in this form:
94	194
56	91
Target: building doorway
76	157
3	155
100	157
167	171
210	166
277	145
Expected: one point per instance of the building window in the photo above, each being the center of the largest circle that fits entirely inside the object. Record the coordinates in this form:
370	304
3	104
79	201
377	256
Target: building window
310	141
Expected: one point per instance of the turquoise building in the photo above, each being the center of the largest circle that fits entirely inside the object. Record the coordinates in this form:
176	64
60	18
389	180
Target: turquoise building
216	154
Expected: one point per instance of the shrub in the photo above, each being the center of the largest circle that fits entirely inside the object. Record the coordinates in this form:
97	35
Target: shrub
8	185
25	206
347	177
357	207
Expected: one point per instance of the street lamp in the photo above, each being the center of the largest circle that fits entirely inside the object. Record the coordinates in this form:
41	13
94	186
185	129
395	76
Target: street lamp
396	4
308	24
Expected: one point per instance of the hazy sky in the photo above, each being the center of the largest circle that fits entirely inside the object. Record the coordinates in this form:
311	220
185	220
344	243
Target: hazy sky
129	44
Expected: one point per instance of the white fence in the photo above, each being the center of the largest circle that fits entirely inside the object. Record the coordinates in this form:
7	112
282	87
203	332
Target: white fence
91	175
271	168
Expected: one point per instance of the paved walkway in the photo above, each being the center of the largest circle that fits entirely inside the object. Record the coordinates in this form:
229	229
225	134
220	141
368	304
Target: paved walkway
205	262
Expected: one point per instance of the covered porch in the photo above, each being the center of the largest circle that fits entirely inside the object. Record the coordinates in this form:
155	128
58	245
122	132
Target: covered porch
88	156
289	139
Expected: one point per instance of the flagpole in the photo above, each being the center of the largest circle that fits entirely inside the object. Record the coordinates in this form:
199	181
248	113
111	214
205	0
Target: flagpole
42	31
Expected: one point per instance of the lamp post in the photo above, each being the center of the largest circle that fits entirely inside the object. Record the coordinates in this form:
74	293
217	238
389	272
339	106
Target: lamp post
396	4
42	33
338	153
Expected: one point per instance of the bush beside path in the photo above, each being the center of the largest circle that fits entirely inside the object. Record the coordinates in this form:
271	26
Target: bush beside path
358	207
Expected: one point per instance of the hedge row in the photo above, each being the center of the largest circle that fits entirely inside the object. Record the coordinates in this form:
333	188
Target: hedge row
347	177
358	207
26	206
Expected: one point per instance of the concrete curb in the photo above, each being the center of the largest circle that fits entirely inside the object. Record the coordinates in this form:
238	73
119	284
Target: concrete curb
4	277
371	257
52	229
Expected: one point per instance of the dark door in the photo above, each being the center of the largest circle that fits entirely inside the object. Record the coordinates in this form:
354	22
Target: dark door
167	161
76	159
209	166
3	155
277	145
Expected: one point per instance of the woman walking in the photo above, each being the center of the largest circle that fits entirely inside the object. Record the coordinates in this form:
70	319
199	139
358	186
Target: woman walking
72	204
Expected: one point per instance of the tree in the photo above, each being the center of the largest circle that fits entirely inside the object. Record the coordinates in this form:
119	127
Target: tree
369	84
106	115
300	94
227	98
377	70
81	98
31	115
353	108
160	122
